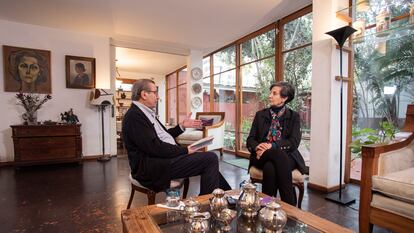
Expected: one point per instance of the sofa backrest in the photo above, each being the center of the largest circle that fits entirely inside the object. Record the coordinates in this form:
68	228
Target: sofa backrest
396	160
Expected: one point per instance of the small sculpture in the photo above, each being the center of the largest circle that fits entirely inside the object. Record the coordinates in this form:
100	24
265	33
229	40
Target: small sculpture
68	117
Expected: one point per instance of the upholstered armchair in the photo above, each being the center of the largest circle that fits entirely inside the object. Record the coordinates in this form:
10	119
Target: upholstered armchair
387	183
213	125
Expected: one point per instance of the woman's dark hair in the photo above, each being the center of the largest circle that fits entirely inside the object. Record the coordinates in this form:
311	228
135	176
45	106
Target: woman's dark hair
81	66
16	57
286	90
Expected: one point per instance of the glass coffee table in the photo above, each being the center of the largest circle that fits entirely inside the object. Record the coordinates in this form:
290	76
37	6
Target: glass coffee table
153	219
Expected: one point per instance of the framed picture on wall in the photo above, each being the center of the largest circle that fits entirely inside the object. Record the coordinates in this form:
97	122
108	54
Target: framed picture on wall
26	70
80	72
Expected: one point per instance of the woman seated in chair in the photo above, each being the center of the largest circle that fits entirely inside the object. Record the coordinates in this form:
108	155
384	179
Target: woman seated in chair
273	141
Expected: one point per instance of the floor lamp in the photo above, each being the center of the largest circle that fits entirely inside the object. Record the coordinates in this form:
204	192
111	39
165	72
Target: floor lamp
104	157
340	35
103	99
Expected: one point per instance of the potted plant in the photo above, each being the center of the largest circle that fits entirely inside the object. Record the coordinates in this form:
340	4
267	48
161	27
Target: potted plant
31	103
368	136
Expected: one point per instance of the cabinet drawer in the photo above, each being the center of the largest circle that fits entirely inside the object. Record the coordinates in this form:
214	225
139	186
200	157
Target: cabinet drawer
46	142
47	154
37	131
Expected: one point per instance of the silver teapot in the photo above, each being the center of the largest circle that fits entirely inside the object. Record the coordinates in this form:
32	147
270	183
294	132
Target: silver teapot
191	206
199	222
273	217
218	202
249	201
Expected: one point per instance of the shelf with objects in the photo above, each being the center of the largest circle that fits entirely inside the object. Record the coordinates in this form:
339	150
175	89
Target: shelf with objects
383	74
122	103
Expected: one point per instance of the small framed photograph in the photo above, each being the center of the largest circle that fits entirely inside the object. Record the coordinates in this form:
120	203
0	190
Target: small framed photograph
80	72
26	70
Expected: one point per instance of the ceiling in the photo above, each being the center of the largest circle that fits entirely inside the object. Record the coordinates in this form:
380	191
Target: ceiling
174	27
149	62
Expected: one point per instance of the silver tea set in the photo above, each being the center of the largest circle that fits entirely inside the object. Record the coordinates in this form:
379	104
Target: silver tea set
272	217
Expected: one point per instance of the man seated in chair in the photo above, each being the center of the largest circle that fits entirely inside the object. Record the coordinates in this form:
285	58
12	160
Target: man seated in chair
154	156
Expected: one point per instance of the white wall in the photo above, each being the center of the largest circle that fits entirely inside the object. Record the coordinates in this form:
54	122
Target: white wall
60	43
325	123
159	81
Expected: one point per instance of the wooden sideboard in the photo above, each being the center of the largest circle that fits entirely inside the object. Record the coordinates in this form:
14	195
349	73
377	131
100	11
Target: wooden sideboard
39	144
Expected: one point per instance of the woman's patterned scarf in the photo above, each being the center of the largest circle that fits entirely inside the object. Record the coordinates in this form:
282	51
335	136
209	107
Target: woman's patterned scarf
275	130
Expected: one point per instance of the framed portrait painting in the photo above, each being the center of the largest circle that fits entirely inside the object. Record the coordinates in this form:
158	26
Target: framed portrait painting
80	72
26	70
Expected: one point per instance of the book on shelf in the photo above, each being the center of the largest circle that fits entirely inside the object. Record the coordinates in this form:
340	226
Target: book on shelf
202	143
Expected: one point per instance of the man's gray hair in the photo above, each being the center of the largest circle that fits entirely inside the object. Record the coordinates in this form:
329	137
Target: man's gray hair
139	86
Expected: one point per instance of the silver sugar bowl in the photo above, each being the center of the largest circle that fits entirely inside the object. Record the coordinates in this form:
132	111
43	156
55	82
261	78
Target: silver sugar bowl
273	217
249	201
226	217
191	207
218	202
199	222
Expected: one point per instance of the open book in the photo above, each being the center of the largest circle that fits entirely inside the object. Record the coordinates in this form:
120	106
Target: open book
202	143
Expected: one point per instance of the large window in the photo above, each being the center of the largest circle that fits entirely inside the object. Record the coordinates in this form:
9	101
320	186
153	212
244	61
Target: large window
297	70
172	98
383	74
257	73
236	78
224	92
176	96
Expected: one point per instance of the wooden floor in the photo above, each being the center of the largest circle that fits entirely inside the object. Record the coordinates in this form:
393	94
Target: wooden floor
90	197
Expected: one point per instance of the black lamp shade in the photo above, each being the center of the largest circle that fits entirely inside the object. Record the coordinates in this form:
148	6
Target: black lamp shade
341	34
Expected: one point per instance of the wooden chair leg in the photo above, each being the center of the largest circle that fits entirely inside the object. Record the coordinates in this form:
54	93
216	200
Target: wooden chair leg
131	196
221	151
186	185
365	227
151	197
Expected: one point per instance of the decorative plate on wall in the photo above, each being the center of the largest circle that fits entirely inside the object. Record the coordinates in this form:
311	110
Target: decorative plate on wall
196	102
196	73
196	88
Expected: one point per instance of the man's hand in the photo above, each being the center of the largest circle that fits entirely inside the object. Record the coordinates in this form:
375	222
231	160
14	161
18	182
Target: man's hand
190	123
191	150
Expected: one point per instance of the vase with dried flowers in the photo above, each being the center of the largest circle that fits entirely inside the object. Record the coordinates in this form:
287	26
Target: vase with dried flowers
31	103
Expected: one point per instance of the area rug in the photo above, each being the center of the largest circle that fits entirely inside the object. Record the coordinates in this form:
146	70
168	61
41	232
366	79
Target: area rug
241	163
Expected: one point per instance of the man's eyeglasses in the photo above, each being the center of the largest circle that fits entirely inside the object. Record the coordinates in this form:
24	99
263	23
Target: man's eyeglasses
155	92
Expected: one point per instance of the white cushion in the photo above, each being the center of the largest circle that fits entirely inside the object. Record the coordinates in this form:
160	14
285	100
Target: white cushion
173	184
392	205
399	185
258	174
190	135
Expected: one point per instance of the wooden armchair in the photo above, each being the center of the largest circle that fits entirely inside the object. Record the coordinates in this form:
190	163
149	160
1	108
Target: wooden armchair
387	183
216	129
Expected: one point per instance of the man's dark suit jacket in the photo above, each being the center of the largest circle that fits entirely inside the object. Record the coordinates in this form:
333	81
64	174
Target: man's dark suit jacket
291	135
149	157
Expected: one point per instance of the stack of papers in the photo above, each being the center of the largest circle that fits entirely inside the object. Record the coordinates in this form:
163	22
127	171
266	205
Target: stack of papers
202	143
